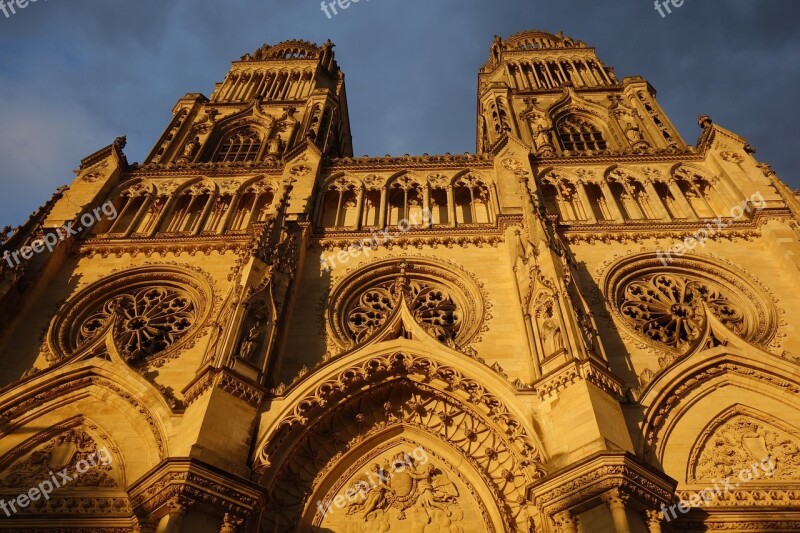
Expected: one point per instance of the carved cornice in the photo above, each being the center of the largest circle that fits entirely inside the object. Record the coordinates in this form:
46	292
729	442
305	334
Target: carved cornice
667	155
596	476
191	482
161	245
446	161
228	381
761	497
733	229
575	371
211	170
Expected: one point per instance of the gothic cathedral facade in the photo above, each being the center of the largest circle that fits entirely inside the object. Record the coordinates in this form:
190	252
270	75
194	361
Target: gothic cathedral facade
584	326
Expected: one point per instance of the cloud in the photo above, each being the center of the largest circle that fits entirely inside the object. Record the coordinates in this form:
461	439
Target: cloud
76	74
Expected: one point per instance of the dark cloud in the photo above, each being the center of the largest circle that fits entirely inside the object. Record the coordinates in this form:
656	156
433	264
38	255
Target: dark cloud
75	74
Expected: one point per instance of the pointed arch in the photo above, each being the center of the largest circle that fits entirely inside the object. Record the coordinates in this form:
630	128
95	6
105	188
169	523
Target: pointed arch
739	436
131	203
679	390
367	395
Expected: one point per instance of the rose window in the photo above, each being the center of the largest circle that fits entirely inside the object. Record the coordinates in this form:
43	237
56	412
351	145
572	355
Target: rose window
149	312
670	309
148	321
669	306
447	303
433	308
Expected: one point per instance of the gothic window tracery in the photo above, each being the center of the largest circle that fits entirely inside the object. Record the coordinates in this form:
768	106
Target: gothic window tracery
190	209
579	135
130	205
445	305
253	206
339	204
598	202
432	306
239	146
670	306
404	201
471	197
149	315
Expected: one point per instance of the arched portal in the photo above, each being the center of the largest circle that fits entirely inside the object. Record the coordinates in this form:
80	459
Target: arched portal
458	444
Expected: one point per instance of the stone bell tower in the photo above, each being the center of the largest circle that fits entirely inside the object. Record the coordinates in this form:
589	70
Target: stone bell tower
535	82
269	103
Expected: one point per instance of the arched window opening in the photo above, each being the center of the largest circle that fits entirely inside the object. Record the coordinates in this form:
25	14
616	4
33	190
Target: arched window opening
217	216
239	146
404	202
572	207
598	202
550	198
129	206
696	197
472	201
439	208
339	205
674	209
187	215
579	135
253	206
623	200
372	209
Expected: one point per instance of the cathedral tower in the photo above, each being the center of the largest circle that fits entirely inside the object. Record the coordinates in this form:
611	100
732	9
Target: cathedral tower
584	326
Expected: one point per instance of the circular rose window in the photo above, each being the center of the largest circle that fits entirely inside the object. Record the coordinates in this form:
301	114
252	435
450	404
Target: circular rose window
445	303
670	305
149	312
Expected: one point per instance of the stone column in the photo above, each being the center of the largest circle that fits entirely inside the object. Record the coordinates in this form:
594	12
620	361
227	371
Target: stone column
654	519
231	524
426	206
656	200
359	207
615	501
611	202
681	199
565	522
451	206
383	207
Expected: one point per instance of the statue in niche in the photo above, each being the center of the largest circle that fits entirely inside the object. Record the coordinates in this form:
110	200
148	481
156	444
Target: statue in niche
275	146
553	338
191	148
250	342
552	335
542	139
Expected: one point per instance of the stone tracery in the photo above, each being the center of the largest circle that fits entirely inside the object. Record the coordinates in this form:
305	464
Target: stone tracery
447	305
669	305
149	315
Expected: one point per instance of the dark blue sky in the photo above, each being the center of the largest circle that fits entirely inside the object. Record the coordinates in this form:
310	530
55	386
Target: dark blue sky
74	74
